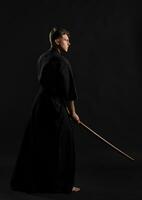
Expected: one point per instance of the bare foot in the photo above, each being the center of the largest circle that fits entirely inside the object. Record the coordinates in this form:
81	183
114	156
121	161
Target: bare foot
75	189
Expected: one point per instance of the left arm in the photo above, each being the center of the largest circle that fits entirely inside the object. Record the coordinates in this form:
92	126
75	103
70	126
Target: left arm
72	112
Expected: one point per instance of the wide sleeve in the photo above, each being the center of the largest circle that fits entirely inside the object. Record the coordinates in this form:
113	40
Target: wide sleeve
67	82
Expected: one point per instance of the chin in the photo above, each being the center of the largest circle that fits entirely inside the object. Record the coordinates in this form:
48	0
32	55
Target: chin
65	50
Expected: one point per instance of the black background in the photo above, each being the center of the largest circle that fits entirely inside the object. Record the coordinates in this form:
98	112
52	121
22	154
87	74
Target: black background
105	53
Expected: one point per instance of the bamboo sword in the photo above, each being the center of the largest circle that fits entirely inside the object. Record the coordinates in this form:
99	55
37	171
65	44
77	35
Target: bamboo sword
114	147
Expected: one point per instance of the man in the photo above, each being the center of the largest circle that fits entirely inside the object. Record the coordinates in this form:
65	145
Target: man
46	162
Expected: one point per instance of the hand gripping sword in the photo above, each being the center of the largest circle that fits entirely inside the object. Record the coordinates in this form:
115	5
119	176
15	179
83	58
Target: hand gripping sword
111	145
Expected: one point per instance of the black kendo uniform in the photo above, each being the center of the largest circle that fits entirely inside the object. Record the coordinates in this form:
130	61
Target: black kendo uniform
46	161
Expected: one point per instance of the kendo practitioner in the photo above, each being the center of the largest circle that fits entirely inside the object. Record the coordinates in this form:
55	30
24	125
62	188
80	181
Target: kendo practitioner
46	160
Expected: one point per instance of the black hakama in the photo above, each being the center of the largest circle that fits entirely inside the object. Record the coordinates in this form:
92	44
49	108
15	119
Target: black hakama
46	160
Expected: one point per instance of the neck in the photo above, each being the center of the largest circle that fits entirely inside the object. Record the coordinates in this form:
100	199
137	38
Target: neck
56	49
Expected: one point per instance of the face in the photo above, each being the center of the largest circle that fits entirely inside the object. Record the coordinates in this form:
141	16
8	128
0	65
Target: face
63	42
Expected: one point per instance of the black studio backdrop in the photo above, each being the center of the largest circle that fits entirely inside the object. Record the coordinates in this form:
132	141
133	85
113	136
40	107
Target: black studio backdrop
105	53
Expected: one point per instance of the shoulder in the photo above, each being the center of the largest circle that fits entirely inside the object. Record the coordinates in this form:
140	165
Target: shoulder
53	58
49	57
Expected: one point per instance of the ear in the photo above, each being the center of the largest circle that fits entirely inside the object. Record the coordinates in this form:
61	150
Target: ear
57	41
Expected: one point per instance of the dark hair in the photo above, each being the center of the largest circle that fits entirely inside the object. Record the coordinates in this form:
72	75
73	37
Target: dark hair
56	33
